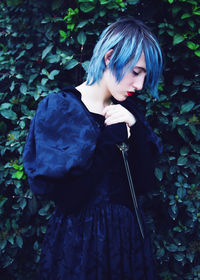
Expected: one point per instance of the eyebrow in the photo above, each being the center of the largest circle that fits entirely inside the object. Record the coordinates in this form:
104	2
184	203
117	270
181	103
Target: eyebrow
141	68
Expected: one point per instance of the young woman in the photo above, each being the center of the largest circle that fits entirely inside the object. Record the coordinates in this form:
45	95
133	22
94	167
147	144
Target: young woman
74	156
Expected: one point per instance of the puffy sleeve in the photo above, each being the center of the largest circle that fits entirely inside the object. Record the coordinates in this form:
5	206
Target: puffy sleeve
61	140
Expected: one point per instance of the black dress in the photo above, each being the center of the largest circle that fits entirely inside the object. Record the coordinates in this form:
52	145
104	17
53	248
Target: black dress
72	158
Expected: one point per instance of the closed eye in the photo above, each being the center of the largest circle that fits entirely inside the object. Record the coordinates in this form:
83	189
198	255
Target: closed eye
136	73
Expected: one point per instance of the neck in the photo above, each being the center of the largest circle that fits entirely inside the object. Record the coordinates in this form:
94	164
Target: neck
96	97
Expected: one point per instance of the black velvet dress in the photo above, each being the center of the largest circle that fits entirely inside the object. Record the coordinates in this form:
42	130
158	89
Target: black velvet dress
72	158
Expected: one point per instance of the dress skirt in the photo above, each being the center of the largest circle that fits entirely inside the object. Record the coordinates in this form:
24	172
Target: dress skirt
100	243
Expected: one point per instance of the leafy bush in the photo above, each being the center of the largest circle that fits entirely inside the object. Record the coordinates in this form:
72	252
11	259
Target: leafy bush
47	45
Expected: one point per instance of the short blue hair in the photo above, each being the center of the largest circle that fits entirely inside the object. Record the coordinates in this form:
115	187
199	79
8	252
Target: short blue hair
128	38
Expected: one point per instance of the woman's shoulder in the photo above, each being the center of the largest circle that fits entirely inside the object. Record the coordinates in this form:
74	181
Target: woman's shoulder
55	100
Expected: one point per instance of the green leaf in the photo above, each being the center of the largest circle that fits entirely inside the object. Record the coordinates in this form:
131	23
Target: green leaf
82	24
72	64
85	65
19	241
181	192
170	1
44	211
197	53
29	46
23	89
171	247
181	161
16	166
184	151
178	79
159	174
47	50
53	74
2	200
18	175
132	2
7	261
187	107
186	15
44	81
5	106
86	7
12	86
179	256
22	203
81	38
178	38
32	205
3	244
102	13
63	35
192	45
196	148
9	114
11	240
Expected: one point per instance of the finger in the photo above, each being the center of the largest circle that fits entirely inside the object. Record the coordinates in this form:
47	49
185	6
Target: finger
112	120
111	108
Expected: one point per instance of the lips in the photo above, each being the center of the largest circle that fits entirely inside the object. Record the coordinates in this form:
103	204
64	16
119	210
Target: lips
130	93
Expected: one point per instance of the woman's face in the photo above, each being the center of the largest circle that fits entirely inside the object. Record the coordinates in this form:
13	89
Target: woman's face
131	81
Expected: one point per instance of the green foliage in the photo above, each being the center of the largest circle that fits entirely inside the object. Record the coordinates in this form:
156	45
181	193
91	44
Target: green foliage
47	45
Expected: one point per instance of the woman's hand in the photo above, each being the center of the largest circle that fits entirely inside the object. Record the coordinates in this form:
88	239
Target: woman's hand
116	114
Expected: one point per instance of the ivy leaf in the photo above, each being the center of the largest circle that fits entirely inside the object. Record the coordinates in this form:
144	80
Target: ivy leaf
32	205
23	89
5	106
63	35
19	241
81	38
9	114
159	174
44	81
197	53
18	175
179	256
196	148
178	79
171	247
82	24
3	243
53	74
181	192
132	2
85	65
72	64
178	38
47	50
12	86
184	151
3	200
187	107
86	7
44	211
186	15
192	45
181	161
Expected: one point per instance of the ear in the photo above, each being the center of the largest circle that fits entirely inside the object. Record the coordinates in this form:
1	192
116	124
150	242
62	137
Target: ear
107	56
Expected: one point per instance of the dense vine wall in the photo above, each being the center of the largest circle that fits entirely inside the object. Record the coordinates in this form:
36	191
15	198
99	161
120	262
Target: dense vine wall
45	45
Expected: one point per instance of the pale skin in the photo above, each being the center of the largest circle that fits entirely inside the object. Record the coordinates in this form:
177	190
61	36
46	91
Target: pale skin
97	97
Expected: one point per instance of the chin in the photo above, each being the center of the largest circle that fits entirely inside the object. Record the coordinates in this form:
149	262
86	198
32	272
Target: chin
121	98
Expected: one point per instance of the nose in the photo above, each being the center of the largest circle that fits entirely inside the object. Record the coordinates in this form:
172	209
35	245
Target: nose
139	82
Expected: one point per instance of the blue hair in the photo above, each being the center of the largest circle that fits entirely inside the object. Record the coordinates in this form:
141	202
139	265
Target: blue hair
128	38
